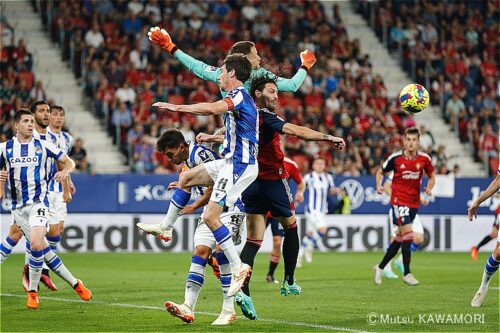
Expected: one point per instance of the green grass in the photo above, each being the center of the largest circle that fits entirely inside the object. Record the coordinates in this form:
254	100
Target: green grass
338	292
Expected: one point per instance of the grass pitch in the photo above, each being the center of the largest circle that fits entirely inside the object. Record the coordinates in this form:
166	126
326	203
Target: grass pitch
338	295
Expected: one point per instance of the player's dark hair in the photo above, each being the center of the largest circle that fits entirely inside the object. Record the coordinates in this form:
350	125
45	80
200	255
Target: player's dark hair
171	138
58	108
35	104
241	47
412	130
241	65
259	82
20	113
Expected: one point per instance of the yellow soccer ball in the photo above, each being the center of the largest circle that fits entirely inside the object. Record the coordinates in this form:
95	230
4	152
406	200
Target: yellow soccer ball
414	98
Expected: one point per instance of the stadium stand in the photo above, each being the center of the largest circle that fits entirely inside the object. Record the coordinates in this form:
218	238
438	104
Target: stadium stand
451	47
123	74
19	86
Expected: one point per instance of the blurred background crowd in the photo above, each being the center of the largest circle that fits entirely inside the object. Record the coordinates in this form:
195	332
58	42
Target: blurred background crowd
444	45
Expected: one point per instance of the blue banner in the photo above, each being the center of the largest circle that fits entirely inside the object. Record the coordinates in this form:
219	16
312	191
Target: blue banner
130	193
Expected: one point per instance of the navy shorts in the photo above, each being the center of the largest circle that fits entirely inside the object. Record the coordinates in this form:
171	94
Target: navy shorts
276	227
264	196
403	215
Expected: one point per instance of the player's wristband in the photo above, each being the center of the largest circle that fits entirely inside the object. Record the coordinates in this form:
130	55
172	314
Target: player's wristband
173	50
304	68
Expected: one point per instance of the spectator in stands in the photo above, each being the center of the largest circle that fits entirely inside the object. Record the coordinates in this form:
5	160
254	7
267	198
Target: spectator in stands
94	37
143	156
79	155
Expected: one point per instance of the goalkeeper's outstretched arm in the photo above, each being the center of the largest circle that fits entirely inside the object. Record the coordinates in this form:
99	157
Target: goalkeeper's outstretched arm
161	38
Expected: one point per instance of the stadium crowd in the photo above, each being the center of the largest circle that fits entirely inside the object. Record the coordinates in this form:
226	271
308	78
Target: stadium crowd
452	48
19	88
123	74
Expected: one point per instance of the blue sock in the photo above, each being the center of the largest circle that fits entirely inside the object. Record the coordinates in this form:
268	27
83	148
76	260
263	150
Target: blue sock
6	248
195	281
489	270
53	240
35	264
414	247
222	234
180	198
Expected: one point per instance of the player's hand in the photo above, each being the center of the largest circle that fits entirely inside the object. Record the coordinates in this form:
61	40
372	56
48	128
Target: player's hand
203	137
336	141
4	175
161	38
308	59
188	209
380	189
472	211
173	185
424	201
299	198
67	197
72	188
60	176
428	191
165	106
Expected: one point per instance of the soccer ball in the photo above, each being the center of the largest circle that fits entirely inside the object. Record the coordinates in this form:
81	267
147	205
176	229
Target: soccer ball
414	98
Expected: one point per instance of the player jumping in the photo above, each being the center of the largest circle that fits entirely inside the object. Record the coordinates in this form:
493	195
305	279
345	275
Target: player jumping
231	175
270	192
408	166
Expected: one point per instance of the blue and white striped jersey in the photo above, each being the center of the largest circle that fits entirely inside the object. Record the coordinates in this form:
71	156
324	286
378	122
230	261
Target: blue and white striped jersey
65	143
199	154
318	187
242	127
28	165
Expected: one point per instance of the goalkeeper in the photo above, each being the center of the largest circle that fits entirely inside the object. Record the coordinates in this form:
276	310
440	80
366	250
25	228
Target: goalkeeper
161	38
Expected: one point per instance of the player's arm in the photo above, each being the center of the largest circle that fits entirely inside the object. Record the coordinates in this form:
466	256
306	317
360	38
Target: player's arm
209	138
387	187
201	202
308	134
379	175
161	38
3	174
492	189
203	109
301	188
308	59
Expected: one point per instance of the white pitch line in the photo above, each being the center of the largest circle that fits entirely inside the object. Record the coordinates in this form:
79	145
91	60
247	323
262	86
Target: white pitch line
149	307
495	288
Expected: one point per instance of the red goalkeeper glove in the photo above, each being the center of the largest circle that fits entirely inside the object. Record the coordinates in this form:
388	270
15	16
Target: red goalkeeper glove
161	38
308	59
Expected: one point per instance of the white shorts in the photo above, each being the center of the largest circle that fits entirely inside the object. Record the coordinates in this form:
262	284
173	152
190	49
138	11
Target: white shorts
230	180
233	220
416	225
29	216
314	221
58	208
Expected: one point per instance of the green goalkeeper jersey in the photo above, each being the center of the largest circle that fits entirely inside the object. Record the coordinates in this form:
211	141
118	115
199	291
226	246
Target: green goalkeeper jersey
211	73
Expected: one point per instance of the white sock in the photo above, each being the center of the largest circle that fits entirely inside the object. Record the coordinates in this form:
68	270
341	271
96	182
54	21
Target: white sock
6	248
194	282
179	200
490	269
223	237
56	265
225	281
35	263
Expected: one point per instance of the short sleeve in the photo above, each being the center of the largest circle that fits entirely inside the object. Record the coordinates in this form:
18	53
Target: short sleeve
330	181
389	164
272	120
53	151
204	155
429	168
296	176
233	99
